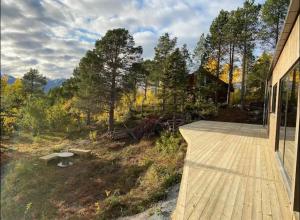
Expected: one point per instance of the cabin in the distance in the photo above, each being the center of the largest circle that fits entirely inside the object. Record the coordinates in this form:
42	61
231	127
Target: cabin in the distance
282	109
208	82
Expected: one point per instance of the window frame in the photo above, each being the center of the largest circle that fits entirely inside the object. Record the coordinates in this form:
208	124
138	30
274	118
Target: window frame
274	97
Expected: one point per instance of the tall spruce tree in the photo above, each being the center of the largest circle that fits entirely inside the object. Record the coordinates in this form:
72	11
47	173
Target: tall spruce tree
176	72
163	49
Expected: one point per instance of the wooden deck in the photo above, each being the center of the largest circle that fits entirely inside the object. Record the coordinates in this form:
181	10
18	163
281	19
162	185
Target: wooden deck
230	172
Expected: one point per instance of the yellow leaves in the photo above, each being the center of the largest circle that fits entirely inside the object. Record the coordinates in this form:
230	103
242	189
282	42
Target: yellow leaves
225	74
3	83
150	100
97	207
17	86
211	66
8	90
9	123
236	75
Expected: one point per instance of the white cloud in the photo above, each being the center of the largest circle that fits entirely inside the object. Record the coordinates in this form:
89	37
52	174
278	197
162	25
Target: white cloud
52	35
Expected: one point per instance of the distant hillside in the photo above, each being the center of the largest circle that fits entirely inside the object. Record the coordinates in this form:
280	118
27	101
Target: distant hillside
51	83
11	79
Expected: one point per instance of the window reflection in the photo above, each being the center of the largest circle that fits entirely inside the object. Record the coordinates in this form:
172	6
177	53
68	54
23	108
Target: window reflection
289	87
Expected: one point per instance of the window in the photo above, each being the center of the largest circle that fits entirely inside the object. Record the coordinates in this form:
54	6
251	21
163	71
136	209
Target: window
287	112
274	98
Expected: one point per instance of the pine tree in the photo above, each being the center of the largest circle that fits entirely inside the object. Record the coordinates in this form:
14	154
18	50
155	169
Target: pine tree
258	76
249	23
217	32
273	15
232	33
118	53
176	72
89	82
33	82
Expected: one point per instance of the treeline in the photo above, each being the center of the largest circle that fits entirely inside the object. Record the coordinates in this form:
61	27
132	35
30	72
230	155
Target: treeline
113	83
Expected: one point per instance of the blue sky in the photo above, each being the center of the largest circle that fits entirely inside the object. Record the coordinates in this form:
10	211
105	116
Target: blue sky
52	35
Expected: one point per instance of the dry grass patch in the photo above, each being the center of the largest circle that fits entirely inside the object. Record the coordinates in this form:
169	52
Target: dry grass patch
111	183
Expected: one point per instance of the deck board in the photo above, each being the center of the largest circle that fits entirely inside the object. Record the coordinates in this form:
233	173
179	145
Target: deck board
230	172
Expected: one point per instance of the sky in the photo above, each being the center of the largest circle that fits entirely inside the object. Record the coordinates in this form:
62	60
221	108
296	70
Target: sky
52	35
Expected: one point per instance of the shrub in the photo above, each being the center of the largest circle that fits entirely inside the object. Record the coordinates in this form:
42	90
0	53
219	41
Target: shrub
93	135
207	108
146	127
168	143
236	97
34	115
8	125
58	118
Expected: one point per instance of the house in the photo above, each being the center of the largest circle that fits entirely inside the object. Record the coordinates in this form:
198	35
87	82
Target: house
283	108
206	80
247	171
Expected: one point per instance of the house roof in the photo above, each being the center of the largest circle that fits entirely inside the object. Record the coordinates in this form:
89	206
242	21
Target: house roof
290	19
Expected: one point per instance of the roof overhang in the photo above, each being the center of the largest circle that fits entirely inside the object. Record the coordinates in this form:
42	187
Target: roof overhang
289	22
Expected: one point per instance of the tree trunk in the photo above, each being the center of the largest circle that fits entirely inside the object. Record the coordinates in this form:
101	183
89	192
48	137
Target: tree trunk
164	98
88	118
218	59
230	73
243	76
112	102
174	109
164	92
218	72
145	95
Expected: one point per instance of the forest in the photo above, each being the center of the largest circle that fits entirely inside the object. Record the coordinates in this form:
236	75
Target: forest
114	92
112	82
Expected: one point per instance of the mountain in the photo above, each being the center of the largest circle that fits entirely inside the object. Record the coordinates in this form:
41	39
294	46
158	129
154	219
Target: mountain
51	83
11	79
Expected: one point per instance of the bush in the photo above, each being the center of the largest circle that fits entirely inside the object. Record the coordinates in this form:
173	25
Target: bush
93	135
147	127
168	143
236	97
34	115
207	108
58	118
8	125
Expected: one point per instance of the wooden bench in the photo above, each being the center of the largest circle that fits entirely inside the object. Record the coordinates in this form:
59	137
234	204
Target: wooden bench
49	157
80	152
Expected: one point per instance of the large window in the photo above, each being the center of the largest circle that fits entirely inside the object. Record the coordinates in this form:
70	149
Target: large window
289	86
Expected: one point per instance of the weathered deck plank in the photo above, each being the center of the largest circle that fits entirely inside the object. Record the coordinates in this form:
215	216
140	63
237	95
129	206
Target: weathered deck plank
230	173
